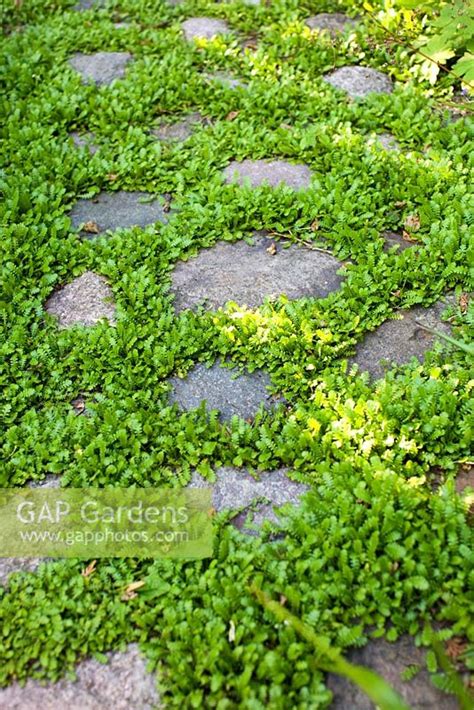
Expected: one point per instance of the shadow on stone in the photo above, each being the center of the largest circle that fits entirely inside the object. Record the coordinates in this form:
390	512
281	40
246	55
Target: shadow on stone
231	395
85	301
397	341
268	172
248	273
359	82
101	68
109	211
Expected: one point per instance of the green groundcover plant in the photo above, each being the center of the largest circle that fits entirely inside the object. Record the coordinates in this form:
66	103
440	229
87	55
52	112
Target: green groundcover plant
382	543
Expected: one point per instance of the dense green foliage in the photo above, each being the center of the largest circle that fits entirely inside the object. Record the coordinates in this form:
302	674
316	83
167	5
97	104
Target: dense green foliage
376	543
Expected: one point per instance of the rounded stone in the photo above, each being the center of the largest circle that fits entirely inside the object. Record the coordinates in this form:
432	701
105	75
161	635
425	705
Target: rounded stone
359	82
268	172
333	22
116	210
248	273
86	301
204	27
101	68
398	341
222	390
179	130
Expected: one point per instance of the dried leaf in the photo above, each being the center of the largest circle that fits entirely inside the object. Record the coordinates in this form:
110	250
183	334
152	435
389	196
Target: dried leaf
130	590
455	647
91	228
89	570
315	225
463	302
272	250
112	177
408	237
412	222
401	203
231	115
231	631
283	599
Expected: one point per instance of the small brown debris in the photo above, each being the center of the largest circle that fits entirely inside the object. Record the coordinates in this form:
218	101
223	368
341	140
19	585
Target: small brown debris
400	204
408	237
455	647
89	570
112	177
272	250
130	590
315	225
231	115
463	302
412	222
91	227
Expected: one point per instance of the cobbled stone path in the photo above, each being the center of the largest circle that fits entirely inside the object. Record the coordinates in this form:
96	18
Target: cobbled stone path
247	274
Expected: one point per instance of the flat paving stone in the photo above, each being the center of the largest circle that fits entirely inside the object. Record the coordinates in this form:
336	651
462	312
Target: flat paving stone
116	210
120	684
86	300
247	273
333	22
390	660
85	140
101	68
397	341
235	489
180	130
204	27
223	389
359	82
269	172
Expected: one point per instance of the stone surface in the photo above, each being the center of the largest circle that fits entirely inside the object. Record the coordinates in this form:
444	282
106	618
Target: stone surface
235	489
121	684
395	239
101	68
465	478
86	300
247	273
85	140
88	4
397	341
225	79
204	27
222	389
116	210
387	141
389	660
179	130
16	564
270	172
359	82
332	22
